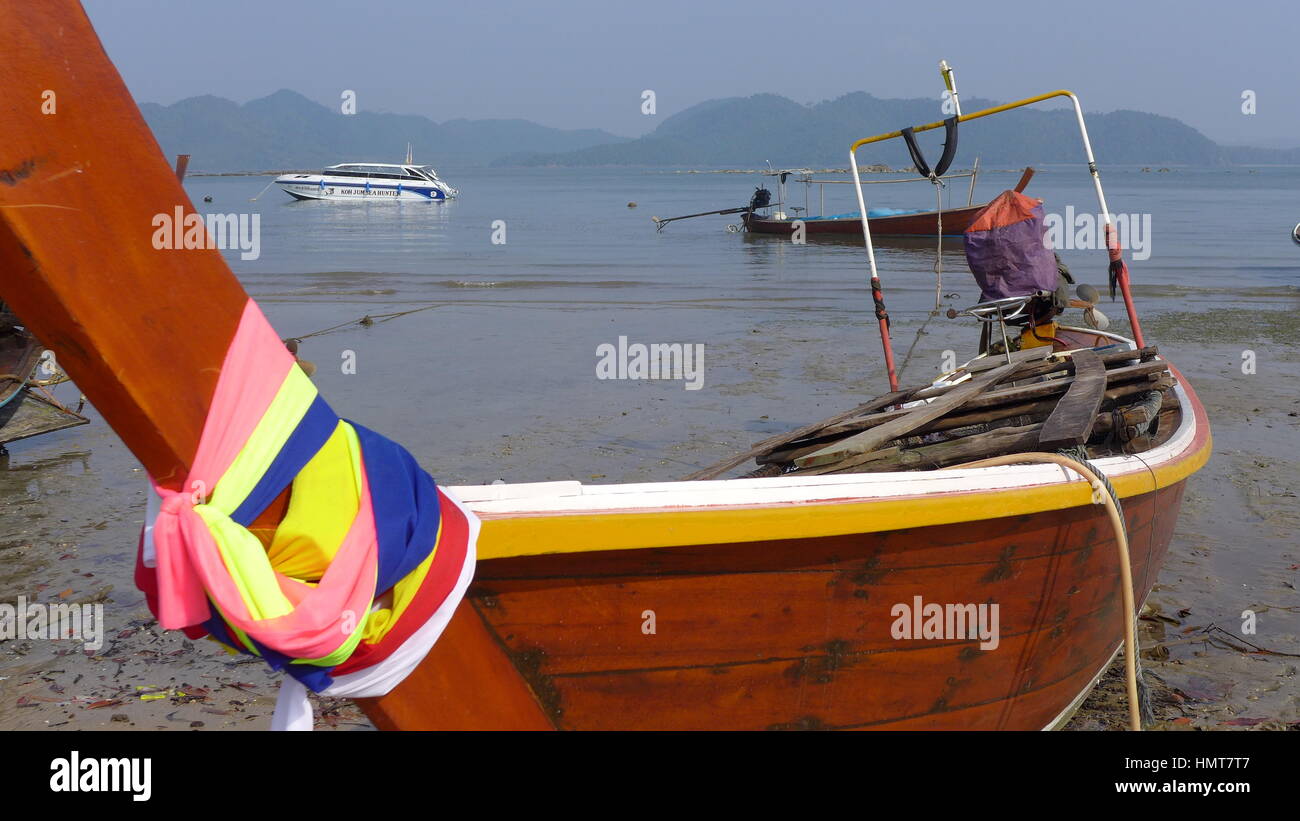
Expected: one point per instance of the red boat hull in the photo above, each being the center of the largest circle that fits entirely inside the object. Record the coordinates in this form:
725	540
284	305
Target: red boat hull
925	224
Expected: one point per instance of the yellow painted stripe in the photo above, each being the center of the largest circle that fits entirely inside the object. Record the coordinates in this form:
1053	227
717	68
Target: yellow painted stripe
526	535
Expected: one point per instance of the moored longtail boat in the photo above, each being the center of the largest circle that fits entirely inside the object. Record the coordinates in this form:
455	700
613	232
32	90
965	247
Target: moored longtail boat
913	224
951	222
740	603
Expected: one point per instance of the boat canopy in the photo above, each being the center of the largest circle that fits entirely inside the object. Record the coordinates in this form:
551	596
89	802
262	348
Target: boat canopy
382	171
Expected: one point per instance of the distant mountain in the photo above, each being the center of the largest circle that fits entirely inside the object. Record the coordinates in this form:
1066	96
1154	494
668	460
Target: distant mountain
1245	155
745	132
288	131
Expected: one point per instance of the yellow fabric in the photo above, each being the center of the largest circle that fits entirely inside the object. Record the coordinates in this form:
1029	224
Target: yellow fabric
340	655
325	499
278	423
245	561
244	556
384	619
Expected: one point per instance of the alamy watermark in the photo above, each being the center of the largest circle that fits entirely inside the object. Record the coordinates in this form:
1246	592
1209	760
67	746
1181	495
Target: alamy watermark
949	622
54	621
683	362
77	774
227	232
1087	232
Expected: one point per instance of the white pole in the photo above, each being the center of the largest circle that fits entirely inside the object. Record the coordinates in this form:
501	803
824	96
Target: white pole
951	81
1092	163
862	210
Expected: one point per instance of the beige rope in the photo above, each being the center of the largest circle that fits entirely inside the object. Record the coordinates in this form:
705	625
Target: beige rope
1102	496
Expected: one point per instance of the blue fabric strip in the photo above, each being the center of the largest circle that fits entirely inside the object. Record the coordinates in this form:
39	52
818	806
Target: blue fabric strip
316	427
406	505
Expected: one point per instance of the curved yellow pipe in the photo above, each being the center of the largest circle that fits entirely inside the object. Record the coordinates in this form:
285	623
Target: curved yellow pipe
963	118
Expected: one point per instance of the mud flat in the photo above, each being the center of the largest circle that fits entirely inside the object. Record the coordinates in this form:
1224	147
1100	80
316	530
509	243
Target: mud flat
72	513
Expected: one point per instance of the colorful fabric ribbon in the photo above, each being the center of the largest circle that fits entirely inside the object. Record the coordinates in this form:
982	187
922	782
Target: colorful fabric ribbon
361	575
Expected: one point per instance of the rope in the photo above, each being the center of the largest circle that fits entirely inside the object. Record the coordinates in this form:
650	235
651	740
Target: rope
263	191
938	274
1080	453
938	249
367	320
1099	481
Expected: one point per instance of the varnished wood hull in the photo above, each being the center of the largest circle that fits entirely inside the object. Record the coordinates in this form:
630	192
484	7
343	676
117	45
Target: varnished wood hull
796	632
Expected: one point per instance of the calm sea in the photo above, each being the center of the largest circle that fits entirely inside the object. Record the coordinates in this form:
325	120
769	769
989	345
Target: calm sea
497	377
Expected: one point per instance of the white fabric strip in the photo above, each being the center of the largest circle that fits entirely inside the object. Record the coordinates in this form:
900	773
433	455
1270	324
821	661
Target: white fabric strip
292	707
152	507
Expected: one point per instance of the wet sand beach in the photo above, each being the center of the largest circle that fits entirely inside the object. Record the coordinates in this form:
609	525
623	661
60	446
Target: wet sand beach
497	382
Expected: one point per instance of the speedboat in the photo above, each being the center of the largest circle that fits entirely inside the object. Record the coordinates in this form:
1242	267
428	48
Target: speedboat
368	181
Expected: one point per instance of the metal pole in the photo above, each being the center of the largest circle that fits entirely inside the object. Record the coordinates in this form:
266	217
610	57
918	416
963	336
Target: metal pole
1092	169
877	294
1112	240
951	82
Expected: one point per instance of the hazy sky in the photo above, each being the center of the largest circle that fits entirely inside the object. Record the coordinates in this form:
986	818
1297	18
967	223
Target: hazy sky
584	64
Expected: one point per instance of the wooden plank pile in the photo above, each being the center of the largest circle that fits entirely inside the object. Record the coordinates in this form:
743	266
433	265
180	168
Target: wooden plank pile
1036	402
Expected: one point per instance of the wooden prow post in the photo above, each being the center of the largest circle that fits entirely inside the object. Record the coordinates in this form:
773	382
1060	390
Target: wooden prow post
1024	180
142	330
81	190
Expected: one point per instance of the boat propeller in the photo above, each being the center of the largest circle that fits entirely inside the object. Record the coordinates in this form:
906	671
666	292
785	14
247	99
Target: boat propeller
1088	299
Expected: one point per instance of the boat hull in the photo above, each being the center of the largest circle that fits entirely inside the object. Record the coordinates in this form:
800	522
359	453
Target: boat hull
802	631
926	223
796	634
313	189
20	353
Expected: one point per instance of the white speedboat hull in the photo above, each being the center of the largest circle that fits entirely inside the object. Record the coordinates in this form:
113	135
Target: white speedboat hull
317	187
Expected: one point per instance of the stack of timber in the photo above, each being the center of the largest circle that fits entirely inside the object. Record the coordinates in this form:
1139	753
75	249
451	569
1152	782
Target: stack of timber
1108	401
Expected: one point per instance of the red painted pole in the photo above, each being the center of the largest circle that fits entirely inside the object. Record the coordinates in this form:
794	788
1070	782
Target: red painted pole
878	296
1119	275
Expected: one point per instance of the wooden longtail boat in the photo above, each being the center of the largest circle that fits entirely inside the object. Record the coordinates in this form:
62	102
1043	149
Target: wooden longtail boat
24	413
20	353
919	224
738	603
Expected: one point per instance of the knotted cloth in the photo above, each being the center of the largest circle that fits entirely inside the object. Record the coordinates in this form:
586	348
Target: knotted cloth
361	575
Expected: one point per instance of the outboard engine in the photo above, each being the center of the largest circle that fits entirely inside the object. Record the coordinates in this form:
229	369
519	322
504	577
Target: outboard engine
762	198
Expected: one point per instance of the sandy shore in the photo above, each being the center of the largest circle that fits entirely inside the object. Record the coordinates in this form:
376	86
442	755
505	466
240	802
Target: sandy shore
70	531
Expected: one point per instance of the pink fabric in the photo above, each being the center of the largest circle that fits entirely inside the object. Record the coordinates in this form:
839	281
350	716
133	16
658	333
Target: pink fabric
190	566
251	375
